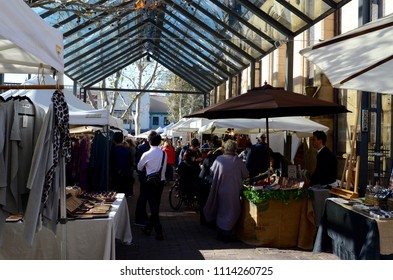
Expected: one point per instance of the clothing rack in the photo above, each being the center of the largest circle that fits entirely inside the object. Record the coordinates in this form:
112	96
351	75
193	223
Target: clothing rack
8	87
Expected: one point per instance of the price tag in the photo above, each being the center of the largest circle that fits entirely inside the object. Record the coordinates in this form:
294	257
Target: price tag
24	121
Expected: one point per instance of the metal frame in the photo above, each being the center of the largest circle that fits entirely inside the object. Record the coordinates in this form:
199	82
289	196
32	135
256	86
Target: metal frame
218	61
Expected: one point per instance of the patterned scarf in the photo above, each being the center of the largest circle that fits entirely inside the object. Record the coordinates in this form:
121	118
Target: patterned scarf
61	140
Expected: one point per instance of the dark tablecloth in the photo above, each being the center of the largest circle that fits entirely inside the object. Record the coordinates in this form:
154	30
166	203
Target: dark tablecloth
348	234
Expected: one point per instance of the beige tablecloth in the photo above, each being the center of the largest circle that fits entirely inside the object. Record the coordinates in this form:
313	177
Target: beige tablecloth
385	229
277	224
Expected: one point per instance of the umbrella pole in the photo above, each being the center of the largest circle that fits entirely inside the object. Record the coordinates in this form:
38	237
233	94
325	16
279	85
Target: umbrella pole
268	151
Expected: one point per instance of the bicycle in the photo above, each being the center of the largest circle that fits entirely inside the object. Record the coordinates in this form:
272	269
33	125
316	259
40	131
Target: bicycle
180	194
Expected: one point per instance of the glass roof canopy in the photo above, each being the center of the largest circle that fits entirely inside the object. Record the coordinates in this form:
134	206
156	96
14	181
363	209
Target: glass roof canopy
202	41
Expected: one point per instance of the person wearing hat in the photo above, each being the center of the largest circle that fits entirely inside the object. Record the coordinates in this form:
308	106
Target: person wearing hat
257	158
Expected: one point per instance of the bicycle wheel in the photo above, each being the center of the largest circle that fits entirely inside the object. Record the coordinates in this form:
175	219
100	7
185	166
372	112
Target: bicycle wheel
175	199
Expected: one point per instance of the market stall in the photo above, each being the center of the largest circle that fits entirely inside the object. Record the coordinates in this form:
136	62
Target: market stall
279	218
43	235
350	233
24	49
87	239
80	113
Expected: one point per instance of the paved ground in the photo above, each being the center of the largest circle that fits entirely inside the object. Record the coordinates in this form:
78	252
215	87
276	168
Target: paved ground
186	239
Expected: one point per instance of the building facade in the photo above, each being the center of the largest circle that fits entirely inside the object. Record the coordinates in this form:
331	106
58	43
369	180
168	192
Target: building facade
306	78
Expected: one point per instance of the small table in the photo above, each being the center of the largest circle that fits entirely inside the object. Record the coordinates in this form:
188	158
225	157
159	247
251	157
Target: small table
351	235
87	239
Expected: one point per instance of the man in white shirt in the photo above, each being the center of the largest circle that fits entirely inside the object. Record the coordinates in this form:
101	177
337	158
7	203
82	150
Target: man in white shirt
153	161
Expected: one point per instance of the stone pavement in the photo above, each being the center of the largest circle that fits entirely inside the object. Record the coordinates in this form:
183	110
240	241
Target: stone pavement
186	239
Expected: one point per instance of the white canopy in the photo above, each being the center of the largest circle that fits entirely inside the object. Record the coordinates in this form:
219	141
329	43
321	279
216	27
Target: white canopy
27	41
189	124
360	59
80	112
301	125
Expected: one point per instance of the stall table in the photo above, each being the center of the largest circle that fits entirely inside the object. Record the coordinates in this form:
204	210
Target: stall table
278	224
352	235
86	239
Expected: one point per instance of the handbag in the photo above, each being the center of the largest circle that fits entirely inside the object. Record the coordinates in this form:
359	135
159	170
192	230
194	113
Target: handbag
154	179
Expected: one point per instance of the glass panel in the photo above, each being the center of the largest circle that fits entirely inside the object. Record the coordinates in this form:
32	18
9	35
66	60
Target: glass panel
217	46
198	52
196	66
217	24
311	8
98	31
208	37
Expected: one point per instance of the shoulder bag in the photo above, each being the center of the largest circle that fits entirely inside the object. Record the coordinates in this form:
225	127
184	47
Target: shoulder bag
154	179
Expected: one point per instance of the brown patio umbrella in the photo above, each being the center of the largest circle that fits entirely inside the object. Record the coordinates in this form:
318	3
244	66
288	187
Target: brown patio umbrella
267	102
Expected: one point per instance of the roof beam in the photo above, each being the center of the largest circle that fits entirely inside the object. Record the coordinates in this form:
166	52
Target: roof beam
169	61
218	57
202	62
265	17
213	32
243	21
108	33
188	79
129	50
212	43
298	13
209	77
146	90
112	47
192	70
230	29
94	79
199	55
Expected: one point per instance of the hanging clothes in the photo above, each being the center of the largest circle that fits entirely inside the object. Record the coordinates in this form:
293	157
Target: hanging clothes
44	180
99	160
20	123
84	159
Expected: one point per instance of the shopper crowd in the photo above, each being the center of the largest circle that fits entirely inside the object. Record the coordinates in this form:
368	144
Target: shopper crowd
215	177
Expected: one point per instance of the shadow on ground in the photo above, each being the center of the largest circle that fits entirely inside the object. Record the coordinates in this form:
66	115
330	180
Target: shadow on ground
186	239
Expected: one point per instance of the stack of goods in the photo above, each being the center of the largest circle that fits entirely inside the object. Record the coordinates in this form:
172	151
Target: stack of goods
266	187
379	196
89	205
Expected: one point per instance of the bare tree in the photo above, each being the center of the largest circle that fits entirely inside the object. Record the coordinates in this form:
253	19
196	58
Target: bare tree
142	75
181	104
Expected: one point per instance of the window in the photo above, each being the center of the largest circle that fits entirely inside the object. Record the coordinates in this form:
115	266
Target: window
166	121
155	120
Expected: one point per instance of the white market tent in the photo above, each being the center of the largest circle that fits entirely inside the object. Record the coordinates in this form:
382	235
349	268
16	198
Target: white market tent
27	43
302	126
80	113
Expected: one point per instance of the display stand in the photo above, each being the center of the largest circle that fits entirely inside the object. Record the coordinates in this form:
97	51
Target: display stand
350	176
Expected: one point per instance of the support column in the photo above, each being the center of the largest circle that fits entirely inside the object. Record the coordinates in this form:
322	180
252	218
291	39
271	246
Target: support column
257	73
362	145
252	74
289	65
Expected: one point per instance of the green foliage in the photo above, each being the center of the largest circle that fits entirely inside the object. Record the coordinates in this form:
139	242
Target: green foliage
180	105
260	196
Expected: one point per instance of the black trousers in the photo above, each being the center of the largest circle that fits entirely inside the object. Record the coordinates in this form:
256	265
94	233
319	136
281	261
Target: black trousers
154	198
141	216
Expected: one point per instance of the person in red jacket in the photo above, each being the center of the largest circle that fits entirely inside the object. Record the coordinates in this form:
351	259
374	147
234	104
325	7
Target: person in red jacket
170	151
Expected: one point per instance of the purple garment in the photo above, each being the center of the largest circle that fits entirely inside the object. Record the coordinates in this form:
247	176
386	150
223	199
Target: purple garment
84	148
223	203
